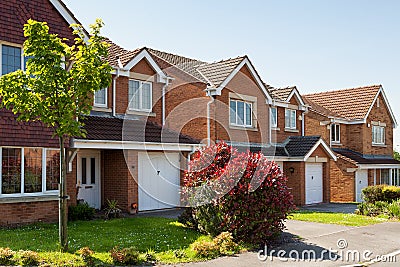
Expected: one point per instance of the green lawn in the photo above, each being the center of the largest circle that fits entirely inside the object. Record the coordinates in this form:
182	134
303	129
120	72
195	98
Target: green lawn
161	235
336	218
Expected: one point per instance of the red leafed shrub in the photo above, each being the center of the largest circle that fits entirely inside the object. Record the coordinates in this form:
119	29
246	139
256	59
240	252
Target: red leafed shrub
242	193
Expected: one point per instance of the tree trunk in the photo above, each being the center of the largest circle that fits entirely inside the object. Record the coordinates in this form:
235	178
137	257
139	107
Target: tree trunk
63	208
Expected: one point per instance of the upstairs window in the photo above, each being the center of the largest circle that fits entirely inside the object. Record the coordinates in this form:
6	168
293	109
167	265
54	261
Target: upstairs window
378	135
241	113
11	59
290	119
100	98
140	96
274	117
335	133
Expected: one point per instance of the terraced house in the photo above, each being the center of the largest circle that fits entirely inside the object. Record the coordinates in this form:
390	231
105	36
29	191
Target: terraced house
358	124
159	108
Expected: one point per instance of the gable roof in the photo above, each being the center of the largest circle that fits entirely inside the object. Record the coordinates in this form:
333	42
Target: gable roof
349	104
284	95
294	148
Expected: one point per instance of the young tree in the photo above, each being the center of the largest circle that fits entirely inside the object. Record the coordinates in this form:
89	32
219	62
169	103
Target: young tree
57	88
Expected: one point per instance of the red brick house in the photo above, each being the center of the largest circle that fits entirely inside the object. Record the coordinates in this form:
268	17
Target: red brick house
98	167
358	124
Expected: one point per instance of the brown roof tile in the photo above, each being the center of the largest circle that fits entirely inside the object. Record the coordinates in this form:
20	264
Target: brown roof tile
280	94
124	55
350	104
217	72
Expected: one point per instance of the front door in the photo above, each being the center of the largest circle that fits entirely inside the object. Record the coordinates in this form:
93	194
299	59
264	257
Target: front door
88	178
361	183
314	184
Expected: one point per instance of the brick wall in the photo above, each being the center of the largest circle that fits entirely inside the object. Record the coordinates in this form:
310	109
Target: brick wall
28	212
280	134
296	180
242	84
313	126
342	183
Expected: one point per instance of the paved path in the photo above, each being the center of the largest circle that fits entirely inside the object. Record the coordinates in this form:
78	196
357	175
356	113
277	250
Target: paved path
332	207
380	239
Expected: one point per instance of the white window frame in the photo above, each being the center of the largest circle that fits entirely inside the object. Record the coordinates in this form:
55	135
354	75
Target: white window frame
335	133
236	124
274	119
22	193
141	97
292	119
105	99
382	132
1	55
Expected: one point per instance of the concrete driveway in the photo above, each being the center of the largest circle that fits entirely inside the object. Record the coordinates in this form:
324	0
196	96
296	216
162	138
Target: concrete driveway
315	244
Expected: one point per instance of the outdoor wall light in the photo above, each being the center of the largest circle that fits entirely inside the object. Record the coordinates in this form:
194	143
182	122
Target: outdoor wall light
291	170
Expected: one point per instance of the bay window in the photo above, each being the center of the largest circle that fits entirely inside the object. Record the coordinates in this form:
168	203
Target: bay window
140	96
378	135
28	170
290	119
241	113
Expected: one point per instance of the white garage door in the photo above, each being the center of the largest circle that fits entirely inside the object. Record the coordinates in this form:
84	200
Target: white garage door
158	181
361	183
314	183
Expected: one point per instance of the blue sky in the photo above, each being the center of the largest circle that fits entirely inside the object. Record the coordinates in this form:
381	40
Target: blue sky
315	45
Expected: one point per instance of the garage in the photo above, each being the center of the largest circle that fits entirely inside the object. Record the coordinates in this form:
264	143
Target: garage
314	184
158	180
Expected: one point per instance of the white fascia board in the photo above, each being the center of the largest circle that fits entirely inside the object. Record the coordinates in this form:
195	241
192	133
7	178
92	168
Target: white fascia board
105	144
342	121
326	148
381	91
295	92
378	166
286	159
67	15
253	73
162	77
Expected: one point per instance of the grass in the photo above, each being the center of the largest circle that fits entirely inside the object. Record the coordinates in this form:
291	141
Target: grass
163	236
336	218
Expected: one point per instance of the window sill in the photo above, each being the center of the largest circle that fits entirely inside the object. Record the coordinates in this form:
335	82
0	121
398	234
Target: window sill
275	129
379	145
101	109
234	127
141	113
26	198
336	143
291	130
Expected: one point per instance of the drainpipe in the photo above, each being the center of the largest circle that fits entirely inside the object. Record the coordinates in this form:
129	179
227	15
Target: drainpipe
302	124
163	100
114	88
208	118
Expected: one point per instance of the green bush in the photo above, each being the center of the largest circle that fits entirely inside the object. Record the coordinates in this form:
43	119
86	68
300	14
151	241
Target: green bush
29	258
6	256
226	244
393	209
372	194
127	256
206	249
187	218
82	211
372	209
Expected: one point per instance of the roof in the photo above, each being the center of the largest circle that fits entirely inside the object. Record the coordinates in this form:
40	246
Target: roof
349	104
115	51
293	146
217	72
300	146
119	129
359	158
281	94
